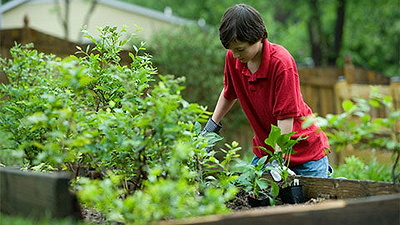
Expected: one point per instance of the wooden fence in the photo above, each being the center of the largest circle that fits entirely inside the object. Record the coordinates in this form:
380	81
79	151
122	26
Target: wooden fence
324	89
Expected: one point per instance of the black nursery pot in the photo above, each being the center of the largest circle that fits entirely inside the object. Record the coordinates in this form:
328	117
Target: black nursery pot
292	194
258	202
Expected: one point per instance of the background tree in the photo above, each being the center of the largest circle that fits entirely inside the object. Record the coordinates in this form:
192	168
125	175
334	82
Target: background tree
198	55
316	32
63	15
372	35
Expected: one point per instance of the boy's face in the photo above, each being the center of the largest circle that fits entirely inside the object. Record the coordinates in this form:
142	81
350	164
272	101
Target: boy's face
244	51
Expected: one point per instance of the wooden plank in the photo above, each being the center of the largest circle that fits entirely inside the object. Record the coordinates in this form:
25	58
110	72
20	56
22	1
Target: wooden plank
324	76
331	188
395	92
364	91
327	101
341	91
37	195
345	91
349	73
371	210
309	97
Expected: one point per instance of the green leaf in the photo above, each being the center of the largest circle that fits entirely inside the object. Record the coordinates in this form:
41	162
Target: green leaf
365	118
37	117
273	136
274	189
374	103
347	105
262	183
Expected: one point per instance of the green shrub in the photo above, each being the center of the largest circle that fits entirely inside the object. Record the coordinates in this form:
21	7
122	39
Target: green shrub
356	127
88	114
355	168
198	55
18	220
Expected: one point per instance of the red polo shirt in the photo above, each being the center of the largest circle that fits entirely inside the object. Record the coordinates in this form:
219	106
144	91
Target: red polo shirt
270	94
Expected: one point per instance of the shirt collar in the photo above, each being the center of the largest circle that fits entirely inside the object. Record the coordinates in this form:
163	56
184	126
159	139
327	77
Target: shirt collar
264	65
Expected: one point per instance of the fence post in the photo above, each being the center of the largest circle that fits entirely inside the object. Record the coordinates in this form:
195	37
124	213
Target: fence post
395	92
341	90
349	70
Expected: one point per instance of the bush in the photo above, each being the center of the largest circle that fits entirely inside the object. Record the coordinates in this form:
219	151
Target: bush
87	114
198	55
18	220
356	127
355	168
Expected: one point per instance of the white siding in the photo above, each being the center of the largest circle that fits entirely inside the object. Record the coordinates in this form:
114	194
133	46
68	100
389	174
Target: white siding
43	17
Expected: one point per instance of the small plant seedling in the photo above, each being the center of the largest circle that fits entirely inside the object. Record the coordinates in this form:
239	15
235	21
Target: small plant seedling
252	181
282	155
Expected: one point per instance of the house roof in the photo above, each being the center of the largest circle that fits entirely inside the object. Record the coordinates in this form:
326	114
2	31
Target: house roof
167	16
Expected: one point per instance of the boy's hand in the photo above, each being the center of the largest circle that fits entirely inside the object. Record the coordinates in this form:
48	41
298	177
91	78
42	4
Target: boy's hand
213	127
276	174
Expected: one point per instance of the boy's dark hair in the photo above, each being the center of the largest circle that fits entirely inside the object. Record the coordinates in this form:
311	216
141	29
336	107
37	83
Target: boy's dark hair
243	23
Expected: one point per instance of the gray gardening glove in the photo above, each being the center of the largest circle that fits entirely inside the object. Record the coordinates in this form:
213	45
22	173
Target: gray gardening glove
276	172
211	127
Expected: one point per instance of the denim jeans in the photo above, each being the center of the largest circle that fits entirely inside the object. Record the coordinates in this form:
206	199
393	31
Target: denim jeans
319	168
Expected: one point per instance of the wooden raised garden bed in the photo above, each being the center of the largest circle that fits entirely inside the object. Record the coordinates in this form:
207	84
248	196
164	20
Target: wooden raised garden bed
37	195
346	202
383	209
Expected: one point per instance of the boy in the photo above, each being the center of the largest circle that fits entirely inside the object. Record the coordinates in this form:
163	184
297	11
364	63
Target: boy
263	77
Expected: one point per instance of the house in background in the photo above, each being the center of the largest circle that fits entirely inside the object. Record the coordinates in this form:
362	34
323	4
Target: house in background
40	22
47	16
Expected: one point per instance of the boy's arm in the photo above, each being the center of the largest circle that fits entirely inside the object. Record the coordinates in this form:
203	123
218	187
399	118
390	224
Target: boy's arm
286	125
222	107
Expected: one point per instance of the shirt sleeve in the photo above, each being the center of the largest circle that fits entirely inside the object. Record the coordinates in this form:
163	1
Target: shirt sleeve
229	90
287	100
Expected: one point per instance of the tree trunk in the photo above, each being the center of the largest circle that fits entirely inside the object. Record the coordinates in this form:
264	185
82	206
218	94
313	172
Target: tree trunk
337	46
64	19
315	34
323	52
87	18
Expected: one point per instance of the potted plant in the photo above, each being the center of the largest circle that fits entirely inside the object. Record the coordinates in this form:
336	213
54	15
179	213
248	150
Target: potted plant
261	190
278	165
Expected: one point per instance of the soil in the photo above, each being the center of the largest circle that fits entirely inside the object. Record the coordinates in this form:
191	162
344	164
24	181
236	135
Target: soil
241	203
91	216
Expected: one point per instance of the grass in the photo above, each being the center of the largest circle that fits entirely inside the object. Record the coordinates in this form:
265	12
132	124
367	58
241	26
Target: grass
19	220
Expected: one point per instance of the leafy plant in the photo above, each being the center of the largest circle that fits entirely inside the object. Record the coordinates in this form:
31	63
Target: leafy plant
282	145
356	127
30	99
93	117
252	181
356	168
47	220
197	54
194	53
215	170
